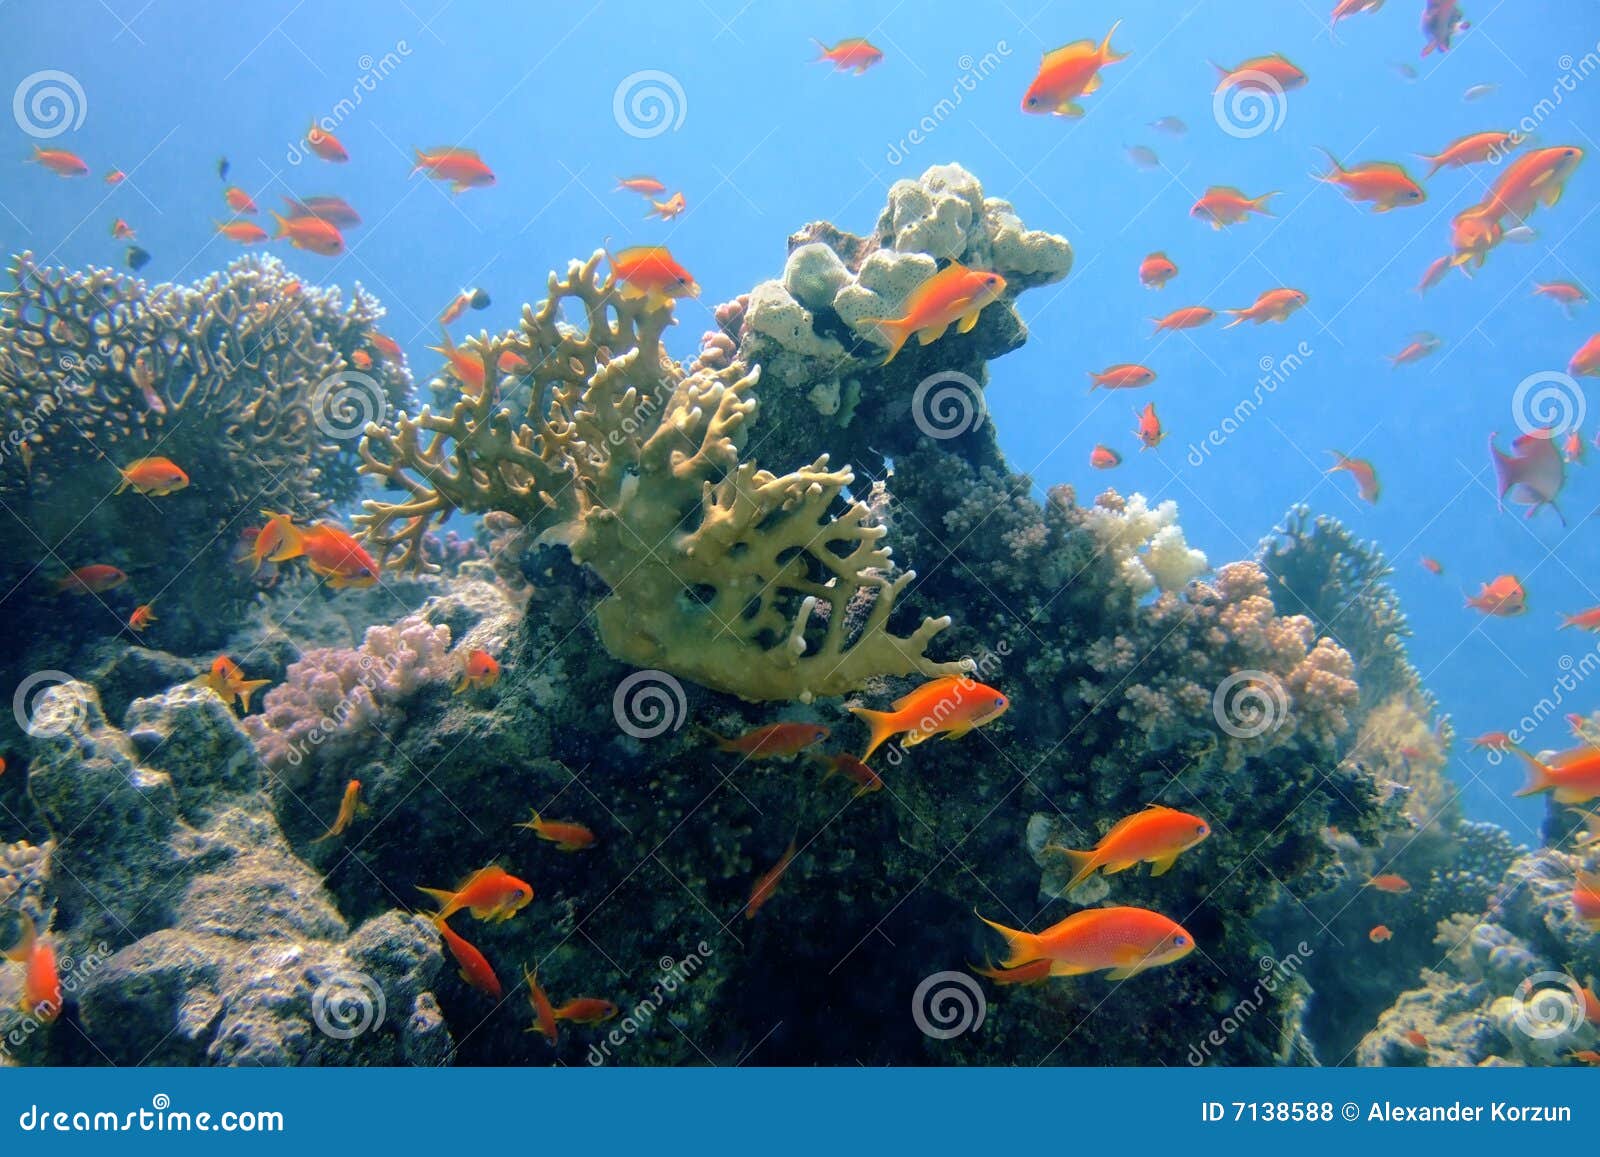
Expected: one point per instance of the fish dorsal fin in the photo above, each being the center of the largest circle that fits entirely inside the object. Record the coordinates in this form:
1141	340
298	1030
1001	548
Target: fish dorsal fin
901	703
1068	52
1225	191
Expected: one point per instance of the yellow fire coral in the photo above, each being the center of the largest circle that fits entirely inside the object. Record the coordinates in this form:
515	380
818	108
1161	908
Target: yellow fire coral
763	586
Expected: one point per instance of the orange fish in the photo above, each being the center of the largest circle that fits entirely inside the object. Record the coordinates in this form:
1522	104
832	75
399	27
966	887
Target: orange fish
244	232
1122	377
1127	941
60	162
90	580
116	177
566	836
479	671
955	296
669	208
1586	362
334	210
227	679
772	741
350	806
1191	317
1391	883
1224	205
463	168
1362	471
1421	346
543	1011
325	144
1473	234
1432	565
153	476
768	883
1591	1003
475	968
41	984
950	706
489	894
1563	293
1149	431
1271	74
121	230
1384	183
1473	149
648	186
1069	73
852	55
842	763
388	347
511	362
1034	972
1273	305
330	551
361	359
1103	457
1585	1056
312	234
467	366
1347	8
238	200
1156	270
1156	836
456	308
587	1010
1503	597
1588	620
1380	934
1416	1040
1434	274
1572	776
1533	179
274	539
651	272
1586	898
141	618
1492	740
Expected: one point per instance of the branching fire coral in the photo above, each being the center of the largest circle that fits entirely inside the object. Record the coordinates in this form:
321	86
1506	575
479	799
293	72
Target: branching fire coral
722	572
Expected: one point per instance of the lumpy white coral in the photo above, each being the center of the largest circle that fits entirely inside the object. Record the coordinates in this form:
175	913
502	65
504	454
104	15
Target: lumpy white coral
1147	546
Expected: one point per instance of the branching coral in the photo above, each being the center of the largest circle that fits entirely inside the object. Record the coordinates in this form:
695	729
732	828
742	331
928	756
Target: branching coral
719	571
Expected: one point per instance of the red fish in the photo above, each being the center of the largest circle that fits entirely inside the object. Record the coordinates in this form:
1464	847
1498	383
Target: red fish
564	834
91	580
587	1010
1156	836
1434	274
116	177
141	618
544	1012
1271	74
41	983
648	186
479	671
463	168
489	894
1122	377
467	366
1588	620
244	232
1362	471
1156	270
388	347
1273	305
954	296
1586	362
153	476
1563	293
669	208
1572	777
325	144
1104	458
1068	73
1390	883
312	234
1224	205
1502	597
1532	475
651	272
1149	431
1385	184
474	966
773	741
851	55
1344	9
1190	317
330	551
350	808
1126	941
1586	898
950	706
1492	740
1536	178
1473	149
1380	934
842	763
226	678
60	162
1432	565
1420	346
1572	448
121	230
333	210
1416	1040
238	200
768	883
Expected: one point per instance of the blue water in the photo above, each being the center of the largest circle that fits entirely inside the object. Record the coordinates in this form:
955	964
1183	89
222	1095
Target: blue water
769	141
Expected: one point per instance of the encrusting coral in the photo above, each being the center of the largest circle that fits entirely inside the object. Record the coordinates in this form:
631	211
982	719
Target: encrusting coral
719	571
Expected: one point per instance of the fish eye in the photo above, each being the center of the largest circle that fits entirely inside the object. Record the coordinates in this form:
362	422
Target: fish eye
1180	940
1202	830
1032	101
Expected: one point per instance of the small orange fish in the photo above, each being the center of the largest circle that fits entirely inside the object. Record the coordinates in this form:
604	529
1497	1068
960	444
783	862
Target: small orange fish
361	359
1347	8
511	362
651	272
1432	565
479	671
1474	233
463	168
330	551
325	144
1380	934
1271	74
1416	1040
1572	447
1385	184
1591	1003
244	232
1190	317
227	679
1492	740
1068	73
41	983
544	1012
1421	346
90	580
1034	972
1585	1056
1149	431
489	894
1122	377
238	200
1127	941
1473	149
312	234
1573	776
1273	305
768	883
1103	457
851	55
350	807
587	1010
60	162
950	706
141	618
648	186
1586	898
334	210
1536	178
773	740
153	476
669	208
121	230
1434	274
565	835
1224	205
475	968
954	296
1502	597
387	347
1390	883
1156	270
116	177
858	773
1586	362
1156	836
467	366
1362	471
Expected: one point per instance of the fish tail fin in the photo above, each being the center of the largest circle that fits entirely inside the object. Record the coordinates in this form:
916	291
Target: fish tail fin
890	330
822	50
1222	73
1238	317
248	688
1259	204
1094	381
883	725
1336	170
419	162
1434	163
1109	55
441	897
1083	864
1023	946
1539	777
283	225
125	482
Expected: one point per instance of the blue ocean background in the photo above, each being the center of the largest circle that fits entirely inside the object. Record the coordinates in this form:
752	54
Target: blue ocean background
770	140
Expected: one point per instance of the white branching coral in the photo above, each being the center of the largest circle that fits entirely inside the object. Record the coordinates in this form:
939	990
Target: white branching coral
1147	546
